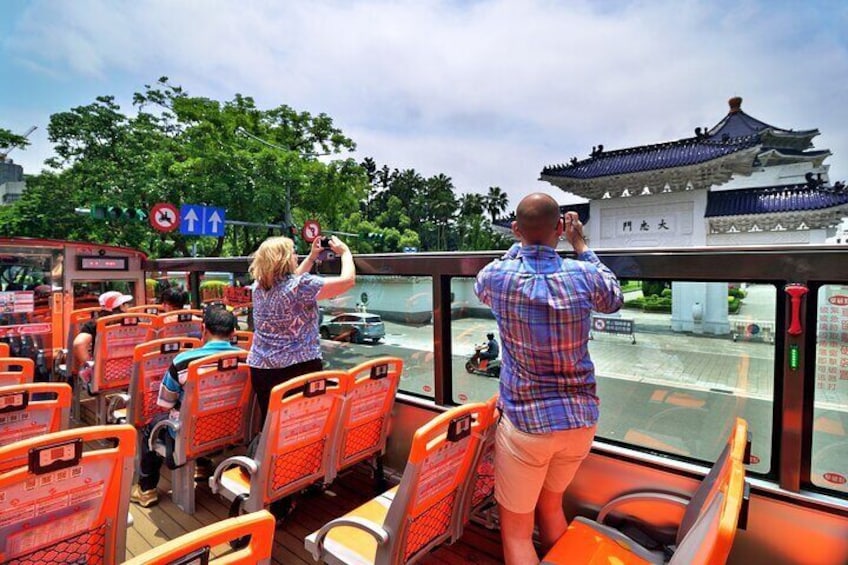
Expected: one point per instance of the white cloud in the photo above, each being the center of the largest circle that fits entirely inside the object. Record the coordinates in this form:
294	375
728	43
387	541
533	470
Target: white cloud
485	92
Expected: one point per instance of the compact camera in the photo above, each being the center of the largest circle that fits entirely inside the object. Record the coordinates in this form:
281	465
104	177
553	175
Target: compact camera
325	242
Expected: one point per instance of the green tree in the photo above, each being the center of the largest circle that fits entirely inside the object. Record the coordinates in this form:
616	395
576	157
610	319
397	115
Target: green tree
184	149
9	140
496	202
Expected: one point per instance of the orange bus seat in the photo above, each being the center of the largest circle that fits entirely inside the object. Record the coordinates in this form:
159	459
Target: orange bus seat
707	542
180	323
214	414
5	350
637	534
22	416
403	524
479	498
16	370
154	309
369	392
151	360
243	339
297	446
117	336
740	442
68	501
194	547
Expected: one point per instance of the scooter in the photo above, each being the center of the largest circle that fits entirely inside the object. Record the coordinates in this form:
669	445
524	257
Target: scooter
485	367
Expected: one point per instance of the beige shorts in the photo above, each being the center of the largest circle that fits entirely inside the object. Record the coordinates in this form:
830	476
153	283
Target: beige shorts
525	463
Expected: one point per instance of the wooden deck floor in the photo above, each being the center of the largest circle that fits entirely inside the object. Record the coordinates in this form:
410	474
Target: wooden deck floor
164	521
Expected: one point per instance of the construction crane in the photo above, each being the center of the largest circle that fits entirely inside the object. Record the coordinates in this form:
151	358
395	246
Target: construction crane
4	151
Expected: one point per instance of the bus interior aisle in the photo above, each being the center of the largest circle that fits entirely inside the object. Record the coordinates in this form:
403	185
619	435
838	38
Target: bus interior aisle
158	524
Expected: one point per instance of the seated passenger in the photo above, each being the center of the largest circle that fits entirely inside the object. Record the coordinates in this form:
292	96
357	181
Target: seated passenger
111	302
172	298
218	328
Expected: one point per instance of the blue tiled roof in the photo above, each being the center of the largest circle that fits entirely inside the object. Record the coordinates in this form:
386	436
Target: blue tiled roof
680	153
772	199
740	124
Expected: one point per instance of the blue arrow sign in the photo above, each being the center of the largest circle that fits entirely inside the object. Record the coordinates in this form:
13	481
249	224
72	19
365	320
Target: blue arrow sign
202	220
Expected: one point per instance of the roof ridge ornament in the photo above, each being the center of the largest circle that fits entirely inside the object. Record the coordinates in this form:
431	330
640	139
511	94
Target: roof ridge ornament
735	104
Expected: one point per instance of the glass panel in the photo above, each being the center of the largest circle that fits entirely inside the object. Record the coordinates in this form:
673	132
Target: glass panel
28	279
157	282
86	293
399	323
471	322
673	367
829	468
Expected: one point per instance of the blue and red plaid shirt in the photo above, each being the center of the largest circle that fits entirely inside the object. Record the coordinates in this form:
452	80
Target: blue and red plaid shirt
543	306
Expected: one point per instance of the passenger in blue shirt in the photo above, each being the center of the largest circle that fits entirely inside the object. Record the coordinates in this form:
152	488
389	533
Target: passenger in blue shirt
218	328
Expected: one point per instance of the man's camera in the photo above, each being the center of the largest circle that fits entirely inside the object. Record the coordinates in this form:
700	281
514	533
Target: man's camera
325	242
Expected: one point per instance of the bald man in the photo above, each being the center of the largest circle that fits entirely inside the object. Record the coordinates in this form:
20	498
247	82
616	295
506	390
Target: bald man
543	305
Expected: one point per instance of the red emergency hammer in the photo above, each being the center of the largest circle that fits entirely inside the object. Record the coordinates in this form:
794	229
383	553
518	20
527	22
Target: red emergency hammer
796	292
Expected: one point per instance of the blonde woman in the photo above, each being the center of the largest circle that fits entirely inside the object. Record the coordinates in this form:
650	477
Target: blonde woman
285	312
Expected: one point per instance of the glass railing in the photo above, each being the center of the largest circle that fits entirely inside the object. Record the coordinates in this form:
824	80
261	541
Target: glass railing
702	338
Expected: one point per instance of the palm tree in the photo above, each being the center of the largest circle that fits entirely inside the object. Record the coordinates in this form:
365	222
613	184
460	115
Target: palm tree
471	204
496	202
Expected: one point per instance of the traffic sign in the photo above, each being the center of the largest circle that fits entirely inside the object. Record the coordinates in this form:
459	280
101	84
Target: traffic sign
202	220
311	230
164	217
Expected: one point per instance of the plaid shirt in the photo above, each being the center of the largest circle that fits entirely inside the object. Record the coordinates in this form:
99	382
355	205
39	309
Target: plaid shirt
543	306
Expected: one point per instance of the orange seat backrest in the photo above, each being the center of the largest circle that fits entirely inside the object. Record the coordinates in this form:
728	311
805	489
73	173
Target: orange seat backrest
4	349
151	360
16	370
215	410
735	496
369	394
303	414
709	540
194	547
117	336
180	323
740	441
483	479
434	482
23	417
154	309
243	339
68	500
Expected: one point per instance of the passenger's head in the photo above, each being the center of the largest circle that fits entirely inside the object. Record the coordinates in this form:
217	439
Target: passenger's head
173	298
490	336
219	323
274	259
113	301
538	220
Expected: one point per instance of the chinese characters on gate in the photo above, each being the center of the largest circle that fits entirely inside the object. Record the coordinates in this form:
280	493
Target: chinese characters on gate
645	225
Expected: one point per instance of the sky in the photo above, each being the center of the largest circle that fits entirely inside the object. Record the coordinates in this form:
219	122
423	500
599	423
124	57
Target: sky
485	92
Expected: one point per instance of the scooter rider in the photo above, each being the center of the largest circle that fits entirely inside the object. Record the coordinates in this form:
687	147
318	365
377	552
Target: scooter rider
492	350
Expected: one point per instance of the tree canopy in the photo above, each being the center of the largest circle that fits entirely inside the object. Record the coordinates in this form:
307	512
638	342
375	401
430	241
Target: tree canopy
179	148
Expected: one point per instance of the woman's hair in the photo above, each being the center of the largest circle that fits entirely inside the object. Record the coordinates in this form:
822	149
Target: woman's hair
272	261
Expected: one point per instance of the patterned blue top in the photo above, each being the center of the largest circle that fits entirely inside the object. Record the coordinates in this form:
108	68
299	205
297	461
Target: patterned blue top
285	320
542	304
